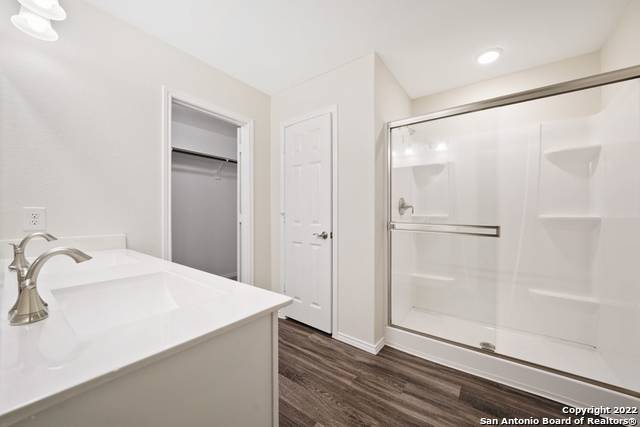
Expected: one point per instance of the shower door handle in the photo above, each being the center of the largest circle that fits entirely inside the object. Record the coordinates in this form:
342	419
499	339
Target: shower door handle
324	235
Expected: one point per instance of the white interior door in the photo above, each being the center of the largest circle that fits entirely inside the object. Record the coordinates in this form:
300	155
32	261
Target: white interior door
307	221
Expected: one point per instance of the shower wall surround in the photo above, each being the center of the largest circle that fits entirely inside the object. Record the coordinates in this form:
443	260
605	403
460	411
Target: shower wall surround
560	177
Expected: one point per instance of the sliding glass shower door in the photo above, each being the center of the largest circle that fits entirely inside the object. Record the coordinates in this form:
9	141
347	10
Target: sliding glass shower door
512	229
444	245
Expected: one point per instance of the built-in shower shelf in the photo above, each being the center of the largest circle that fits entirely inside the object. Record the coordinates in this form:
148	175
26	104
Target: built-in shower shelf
581	153
566	296
425	165
586	220
433	277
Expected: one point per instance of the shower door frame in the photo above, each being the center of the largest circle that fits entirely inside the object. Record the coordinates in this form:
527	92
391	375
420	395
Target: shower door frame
597	80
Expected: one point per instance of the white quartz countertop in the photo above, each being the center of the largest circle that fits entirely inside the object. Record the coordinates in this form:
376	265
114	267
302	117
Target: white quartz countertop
116	311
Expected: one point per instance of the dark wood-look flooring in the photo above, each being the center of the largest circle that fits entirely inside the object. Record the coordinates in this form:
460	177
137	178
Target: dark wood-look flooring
324	382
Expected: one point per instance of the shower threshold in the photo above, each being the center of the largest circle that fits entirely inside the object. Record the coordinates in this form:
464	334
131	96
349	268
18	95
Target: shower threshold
566	356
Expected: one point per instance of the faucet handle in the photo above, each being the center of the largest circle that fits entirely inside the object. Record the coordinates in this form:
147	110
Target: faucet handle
19	260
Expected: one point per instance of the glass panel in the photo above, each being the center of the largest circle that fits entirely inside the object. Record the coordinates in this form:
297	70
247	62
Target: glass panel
559	177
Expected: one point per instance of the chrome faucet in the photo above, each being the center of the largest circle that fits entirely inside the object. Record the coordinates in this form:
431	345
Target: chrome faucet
403	206
20	264
30	307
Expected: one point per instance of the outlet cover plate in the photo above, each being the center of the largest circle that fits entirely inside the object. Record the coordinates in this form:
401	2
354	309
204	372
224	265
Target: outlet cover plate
34	219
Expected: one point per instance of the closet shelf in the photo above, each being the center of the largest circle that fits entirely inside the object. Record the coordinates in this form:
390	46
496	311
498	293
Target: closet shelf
430	165
582	153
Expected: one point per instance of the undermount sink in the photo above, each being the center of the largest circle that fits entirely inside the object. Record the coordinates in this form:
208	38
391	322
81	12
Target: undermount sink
97	307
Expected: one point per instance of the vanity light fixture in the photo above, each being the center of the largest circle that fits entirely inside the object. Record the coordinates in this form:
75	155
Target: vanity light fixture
49	9
489	56
35	18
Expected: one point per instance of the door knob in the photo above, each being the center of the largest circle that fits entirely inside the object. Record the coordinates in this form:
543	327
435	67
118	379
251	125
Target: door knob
324	235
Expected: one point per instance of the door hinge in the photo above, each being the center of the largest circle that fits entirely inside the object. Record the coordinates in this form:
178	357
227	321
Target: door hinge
331	235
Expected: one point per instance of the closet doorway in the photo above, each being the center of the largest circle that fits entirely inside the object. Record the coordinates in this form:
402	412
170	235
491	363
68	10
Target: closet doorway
207	188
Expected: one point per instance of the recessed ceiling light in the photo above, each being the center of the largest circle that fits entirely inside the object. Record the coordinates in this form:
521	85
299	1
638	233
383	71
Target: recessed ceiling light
489	56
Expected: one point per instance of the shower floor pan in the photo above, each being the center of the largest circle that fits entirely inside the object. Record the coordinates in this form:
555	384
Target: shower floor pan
566	356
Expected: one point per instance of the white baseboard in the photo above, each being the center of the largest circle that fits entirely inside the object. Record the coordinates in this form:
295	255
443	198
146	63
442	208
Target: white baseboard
379	345
537	381
361	344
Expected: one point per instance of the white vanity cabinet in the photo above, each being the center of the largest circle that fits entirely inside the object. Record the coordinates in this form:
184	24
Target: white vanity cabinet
199	350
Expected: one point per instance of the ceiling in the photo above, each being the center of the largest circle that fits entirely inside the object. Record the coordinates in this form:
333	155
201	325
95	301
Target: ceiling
429	45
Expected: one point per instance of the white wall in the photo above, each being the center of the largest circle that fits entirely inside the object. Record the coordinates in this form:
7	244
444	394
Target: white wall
391	103
615	261
367	96
568	69
622	48
351	88
80	128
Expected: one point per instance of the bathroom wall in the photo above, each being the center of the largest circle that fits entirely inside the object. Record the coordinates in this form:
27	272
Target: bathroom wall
391	103
351	88
567	69
617	201
367	96
622	48
80	128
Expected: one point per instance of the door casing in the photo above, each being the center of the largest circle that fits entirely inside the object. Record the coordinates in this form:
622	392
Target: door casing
245	176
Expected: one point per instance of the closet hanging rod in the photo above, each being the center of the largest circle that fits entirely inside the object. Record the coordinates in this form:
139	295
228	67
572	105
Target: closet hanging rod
206	156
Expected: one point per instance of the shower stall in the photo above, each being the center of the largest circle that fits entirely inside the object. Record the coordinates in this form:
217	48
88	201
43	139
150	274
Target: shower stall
514	228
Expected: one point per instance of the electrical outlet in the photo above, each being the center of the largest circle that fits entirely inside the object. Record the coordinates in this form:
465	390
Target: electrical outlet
34	219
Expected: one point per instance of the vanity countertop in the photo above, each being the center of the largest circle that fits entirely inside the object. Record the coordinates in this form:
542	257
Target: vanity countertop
121	310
